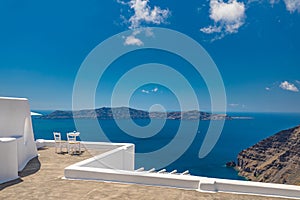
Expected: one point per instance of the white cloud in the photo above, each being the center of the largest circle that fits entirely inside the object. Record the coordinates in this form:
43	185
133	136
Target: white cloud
228	16
237	106
144	13
148	32
274	1
145	91
121	2
268	89
298	82
211	29
285	85
292	5
155	89
229	12
133	40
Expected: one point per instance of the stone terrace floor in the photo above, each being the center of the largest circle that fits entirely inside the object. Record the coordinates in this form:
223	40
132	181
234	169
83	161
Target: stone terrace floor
42	179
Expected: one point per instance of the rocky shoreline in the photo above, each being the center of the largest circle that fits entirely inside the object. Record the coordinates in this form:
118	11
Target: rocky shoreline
275	159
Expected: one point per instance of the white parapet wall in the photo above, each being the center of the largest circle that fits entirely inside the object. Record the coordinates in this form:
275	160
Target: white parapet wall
119	156
15	122
117	165
123	176
249	187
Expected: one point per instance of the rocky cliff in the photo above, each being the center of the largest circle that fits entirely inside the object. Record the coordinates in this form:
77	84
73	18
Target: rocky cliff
275	159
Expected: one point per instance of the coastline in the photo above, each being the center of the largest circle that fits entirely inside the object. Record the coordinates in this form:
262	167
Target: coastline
275	159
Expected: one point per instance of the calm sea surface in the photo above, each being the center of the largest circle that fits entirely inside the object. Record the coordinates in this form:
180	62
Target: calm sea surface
236	136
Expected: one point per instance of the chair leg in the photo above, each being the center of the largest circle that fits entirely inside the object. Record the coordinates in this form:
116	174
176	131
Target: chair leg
69	149
56	147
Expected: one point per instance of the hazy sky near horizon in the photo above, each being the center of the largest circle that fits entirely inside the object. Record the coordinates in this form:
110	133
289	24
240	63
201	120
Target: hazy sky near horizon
255	45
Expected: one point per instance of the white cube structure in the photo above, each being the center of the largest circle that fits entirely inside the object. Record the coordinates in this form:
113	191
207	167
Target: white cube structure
15	122
9	159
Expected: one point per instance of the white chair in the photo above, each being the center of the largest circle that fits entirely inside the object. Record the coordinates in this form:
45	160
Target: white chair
73	144
59	143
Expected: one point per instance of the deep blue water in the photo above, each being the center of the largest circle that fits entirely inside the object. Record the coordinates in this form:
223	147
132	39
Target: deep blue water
236	136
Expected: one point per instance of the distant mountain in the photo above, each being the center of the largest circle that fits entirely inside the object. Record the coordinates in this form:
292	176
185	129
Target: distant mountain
121	113
275	159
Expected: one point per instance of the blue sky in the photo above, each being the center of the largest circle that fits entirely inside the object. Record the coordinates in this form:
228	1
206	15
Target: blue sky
255	45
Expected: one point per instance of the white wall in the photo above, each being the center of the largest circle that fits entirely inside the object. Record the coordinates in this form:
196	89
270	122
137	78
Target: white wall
8	159
15	121
249	187
117	165
123	176
121	158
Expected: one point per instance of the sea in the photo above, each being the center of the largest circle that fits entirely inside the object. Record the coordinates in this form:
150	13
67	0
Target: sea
237	134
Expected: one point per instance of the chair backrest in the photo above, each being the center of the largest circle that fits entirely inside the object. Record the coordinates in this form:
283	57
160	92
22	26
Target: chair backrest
72	136
57	136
